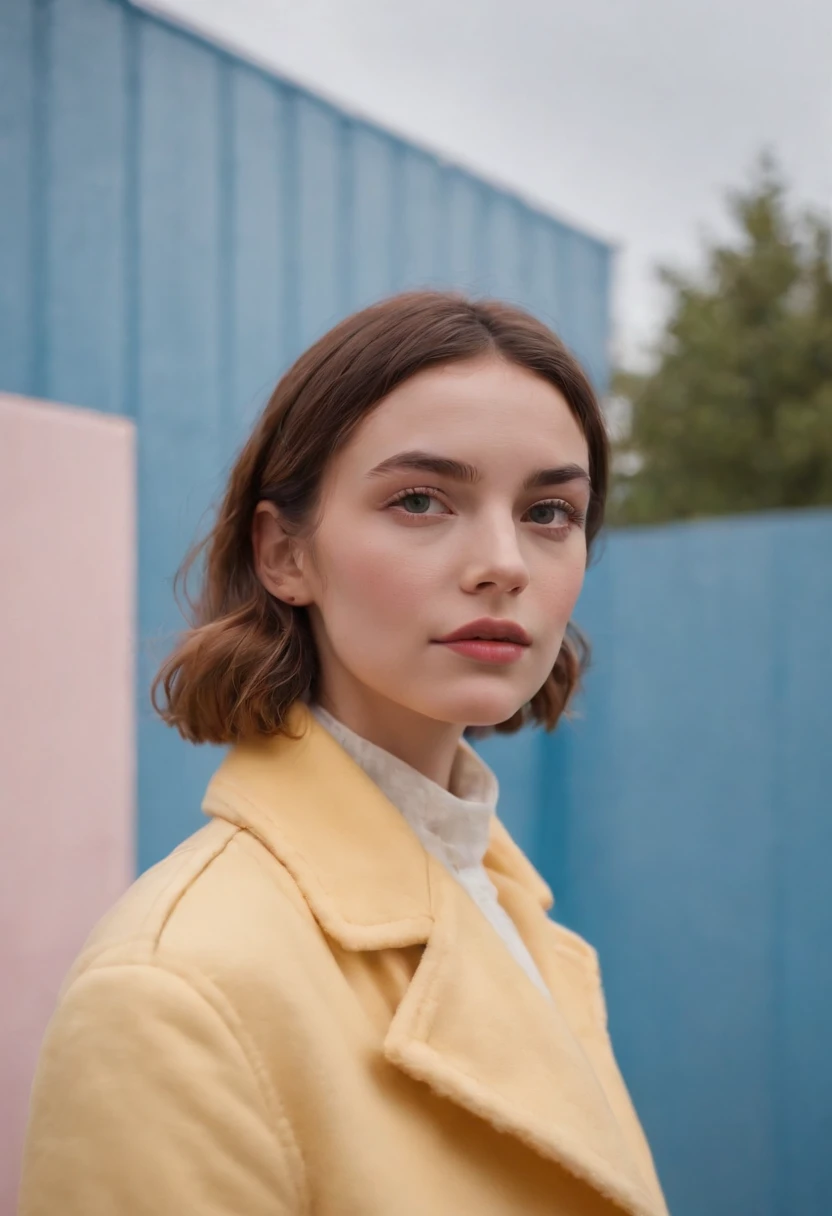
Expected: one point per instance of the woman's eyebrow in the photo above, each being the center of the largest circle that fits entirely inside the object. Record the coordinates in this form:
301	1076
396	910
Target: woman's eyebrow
458	470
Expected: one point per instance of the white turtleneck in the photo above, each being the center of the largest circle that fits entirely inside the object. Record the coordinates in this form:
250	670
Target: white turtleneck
453	825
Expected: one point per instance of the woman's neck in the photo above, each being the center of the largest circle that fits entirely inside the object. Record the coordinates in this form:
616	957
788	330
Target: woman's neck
425	744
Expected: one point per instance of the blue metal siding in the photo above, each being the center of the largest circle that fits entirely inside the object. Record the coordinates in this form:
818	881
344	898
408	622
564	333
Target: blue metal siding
319	209
19	161
687	832
84	202
545	271
422	219
507	250
257	299
182	445
465	227
370	211
177	226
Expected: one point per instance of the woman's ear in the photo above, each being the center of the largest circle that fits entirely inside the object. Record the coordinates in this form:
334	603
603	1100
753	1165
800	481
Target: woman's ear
277	561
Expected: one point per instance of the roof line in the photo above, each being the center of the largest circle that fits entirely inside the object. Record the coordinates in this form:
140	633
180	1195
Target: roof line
446	158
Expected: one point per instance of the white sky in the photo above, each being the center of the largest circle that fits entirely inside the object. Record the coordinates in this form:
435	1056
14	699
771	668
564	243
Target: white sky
629	117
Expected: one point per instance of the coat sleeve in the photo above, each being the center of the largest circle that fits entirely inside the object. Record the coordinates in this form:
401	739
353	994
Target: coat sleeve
149	1102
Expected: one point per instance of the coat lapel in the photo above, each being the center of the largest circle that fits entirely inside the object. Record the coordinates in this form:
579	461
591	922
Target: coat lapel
474	1028
471	1025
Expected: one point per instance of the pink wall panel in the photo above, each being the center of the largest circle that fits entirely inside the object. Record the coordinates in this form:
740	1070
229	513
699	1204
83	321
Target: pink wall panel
67	557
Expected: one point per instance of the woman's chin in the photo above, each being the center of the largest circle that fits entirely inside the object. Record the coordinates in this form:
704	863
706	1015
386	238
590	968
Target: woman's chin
478	709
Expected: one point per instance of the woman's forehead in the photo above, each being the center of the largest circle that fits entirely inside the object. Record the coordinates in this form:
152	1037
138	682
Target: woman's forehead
490	407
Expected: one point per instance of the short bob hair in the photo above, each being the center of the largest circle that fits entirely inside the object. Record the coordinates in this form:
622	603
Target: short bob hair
248	656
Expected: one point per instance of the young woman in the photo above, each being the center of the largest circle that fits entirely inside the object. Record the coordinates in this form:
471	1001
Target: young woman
343	996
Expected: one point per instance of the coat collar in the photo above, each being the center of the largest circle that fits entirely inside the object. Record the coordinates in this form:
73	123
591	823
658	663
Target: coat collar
471	1025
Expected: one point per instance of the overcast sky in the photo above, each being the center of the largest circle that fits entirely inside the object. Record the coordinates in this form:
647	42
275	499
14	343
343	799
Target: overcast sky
630	117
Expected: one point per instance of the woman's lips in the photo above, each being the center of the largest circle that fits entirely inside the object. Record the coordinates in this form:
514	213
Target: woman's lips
486	650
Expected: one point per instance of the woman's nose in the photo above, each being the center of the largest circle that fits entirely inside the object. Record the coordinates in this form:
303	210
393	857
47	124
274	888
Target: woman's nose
495	558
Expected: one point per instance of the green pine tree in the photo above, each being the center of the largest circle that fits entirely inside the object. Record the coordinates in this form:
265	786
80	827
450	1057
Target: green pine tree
737	415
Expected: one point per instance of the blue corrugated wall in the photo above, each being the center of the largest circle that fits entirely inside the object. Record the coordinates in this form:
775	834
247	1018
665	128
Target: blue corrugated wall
685	823
176	227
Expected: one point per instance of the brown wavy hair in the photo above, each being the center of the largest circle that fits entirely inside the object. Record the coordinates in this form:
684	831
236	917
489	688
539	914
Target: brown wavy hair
247	656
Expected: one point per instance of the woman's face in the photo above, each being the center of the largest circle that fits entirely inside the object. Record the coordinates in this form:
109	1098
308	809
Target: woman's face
407	550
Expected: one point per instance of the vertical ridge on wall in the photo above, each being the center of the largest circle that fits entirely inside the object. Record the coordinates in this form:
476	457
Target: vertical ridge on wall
783	1116
420	219
505	244
466	230
372	233
259	303
319	194
227	255
180	414
291	233
132	181
18	152
39	193
346	193
443	246
544	275
397	241
83	239
801	593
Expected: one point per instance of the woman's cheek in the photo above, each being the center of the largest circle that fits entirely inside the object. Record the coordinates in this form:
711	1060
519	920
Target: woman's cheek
377	585
565	587
396	577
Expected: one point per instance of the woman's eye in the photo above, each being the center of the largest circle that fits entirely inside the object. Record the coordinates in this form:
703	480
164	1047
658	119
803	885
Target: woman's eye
415	503
555	515
550	513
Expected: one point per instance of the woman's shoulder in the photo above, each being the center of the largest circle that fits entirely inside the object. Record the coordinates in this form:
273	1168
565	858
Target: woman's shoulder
219	902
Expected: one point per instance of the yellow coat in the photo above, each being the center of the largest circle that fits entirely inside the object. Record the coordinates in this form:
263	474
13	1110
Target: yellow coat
300	1011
